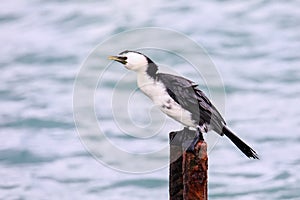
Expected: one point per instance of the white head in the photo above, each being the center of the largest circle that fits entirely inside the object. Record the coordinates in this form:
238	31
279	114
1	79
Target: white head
132	60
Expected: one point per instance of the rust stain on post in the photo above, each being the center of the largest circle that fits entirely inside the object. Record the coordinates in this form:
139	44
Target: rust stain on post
188	169
195	173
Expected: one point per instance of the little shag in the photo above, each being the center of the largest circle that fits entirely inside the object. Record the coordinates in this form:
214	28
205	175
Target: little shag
179	98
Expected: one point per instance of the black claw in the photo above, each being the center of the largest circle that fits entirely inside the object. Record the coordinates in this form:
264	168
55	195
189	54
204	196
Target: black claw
199	133
191	148
197	137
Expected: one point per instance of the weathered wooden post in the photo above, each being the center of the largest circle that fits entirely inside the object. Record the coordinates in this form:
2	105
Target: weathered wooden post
188	169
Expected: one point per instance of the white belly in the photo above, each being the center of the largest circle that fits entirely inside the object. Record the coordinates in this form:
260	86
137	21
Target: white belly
175	111
157	93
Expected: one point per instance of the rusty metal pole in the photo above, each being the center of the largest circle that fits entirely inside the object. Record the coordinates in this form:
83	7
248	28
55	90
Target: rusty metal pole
188	169
175	169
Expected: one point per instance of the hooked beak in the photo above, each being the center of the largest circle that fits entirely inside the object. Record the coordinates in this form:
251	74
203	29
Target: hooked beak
121	59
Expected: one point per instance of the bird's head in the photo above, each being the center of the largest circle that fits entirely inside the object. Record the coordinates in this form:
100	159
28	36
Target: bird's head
132	60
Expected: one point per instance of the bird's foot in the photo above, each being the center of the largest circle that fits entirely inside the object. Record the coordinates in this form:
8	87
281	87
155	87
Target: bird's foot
191	148
198	136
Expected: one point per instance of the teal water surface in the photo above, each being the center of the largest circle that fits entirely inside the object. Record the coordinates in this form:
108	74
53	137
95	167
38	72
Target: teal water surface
255	46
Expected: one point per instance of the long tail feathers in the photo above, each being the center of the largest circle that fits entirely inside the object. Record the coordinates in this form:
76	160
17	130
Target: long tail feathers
248	151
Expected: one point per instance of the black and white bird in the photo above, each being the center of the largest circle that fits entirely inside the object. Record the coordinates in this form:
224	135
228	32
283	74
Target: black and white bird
179	98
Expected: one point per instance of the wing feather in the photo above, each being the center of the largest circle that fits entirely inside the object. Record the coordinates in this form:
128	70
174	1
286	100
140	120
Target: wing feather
186	94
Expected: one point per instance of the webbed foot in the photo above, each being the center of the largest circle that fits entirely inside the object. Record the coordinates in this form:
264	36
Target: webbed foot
193	144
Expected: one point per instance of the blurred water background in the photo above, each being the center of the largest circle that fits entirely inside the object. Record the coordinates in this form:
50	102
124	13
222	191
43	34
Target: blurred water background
255	46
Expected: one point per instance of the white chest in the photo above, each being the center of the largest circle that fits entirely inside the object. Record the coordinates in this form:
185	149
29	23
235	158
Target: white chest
156	91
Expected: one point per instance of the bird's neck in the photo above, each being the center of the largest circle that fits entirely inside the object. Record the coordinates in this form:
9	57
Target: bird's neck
143	79
146	78
151	69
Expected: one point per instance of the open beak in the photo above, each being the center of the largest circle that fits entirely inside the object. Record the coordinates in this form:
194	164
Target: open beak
121	59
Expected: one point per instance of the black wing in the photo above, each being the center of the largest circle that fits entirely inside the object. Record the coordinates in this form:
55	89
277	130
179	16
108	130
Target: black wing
186	94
